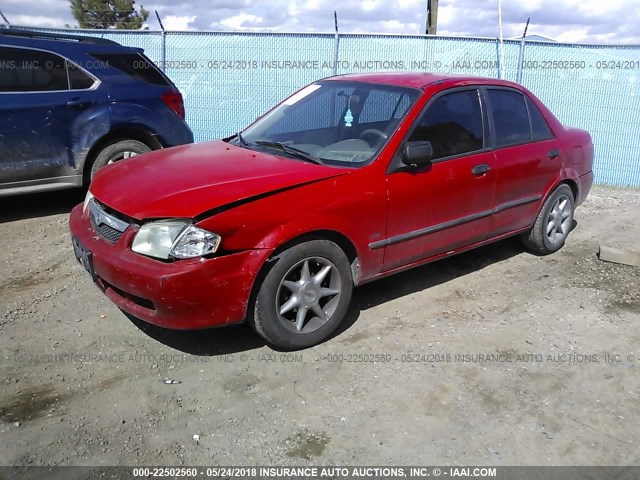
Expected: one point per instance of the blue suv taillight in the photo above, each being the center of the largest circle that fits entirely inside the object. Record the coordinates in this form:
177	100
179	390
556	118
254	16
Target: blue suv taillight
174	101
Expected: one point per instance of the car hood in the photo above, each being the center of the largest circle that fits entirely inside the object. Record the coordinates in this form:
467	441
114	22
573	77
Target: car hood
189	180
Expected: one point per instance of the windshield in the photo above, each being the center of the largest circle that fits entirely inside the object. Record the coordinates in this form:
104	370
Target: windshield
332	122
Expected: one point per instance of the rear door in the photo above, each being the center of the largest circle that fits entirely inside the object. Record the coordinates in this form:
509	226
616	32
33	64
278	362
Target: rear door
446	205
41	97
528	158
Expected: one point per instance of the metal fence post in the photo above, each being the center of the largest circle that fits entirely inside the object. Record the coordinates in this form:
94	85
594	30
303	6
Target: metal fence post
4	18
521	55
501	43
163	43
498	64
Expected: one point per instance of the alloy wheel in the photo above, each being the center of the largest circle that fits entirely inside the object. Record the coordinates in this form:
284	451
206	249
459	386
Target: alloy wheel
308	295
559	220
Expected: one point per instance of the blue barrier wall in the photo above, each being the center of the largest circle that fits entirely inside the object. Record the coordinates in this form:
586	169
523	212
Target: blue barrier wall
228	78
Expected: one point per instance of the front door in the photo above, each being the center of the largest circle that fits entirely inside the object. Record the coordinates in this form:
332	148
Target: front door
446	205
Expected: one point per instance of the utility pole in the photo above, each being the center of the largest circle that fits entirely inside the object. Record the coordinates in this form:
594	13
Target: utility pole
432	17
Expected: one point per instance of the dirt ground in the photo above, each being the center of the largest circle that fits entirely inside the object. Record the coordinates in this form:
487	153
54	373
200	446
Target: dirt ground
493	357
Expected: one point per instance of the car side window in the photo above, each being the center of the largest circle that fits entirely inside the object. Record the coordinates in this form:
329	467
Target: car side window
78	80
539	128
135	65
452	123
25	70
510	117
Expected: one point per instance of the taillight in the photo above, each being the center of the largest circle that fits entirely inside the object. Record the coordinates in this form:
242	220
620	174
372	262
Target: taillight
174	101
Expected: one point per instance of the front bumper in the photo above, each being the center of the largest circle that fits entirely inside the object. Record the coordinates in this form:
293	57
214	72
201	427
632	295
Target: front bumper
185	294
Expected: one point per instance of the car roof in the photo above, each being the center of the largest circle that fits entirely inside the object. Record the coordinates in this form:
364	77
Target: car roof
420	79
17	32
62	43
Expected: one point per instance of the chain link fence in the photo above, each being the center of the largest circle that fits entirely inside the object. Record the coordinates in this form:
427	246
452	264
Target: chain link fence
230	78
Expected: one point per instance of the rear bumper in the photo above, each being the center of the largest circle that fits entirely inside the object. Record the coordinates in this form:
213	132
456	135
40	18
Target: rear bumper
176	134
584	187
185	294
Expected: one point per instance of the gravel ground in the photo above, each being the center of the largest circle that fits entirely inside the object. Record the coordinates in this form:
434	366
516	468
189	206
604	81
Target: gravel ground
493	357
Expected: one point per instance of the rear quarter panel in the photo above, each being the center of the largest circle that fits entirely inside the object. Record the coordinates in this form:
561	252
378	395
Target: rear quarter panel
135	103
577	153
150	114
579	158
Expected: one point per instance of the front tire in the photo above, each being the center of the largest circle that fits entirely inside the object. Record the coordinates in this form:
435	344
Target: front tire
553	224
117	151
305	296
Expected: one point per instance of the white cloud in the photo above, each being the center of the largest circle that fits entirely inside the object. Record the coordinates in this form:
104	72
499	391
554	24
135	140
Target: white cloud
370	5
176	22
242	21
38	20
592	21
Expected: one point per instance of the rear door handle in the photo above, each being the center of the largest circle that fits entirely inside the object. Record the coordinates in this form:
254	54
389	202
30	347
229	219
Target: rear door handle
77	103
553	153
480	170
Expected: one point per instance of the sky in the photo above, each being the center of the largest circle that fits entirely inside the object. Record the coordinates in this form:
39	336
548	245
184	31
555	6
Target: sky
572	21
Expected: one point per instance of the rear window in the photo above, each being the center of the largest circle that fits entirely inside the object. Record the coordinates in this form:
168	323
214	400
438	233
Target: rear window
78	80
539	128
134	65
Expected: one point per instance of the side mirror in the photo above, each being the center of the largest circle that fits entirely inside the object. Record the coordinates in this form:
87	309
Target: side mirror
417	154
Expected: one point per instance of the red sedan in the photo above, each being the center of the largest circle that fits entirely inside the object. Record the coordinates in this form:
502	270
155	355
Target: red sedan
351	179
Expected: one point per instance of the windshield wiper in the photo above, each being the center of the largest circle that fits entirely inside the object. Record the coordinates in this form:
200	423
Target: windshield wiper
296	152
237	136
241	139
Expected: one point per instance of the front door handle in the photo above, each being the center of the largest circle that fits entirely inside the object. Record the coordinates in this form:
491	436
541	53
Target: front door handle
480	170
553	153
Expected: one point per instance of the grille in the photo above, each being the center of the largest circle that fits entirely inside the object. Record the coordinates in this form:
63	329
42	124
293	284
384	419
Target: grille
106	225
110	234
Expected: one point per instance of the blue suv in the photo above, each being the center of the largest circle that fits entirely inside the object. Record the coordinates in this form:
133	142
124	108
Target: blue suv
70	105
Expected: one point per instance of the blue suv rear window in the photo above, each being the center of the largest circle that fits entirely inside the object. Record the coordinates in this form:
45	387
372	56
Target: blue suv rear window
135	65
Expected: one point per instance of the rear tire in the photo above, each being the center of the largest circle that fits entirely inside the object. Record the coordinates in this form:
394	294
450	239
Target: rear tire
553	224
117	151
304	297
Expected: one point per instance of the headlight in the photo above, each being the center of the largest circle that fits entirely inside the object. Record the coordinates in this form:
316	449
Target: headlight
195	242
87	199
174	238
